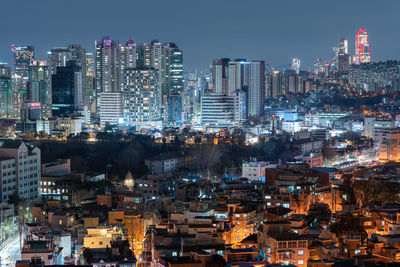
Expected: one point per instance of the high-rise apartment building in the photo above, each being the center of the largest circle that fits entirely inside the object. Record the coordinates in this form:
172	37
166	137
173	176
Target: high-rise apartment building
128	59
230	76
220	75
23	58
107	66
255	83
235	75
167	59
141	97
114	63
363	49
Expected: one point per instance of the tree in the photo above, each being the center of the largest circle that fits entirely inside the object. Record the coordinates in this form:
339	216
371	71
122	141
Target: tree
14	198
23	214
348	224
328	152
374	190
206	158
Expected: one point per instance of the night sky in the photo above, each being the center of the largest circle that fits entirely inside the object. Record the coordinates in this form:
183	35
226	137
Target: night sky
274	31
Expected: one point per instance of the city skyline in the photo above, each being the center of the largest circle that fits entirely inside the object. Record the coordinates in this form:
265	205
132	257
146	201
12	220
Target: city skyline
212	30
197	134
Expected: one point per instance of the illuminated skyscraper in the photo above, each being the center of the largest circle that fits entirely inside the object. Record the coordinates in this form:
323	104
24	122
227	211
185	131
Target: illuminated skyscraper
67	89
23	58
128	58
254	80
363	49
107	66
173	68
220	75
343	46
295	65
141	97
167	58
5	90
89	95
235	75
38	87
343	57
57	57
79	55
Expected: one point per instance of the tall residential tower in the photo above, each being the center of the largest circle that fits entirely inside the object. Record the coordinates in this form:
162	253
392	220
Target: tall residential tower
363	49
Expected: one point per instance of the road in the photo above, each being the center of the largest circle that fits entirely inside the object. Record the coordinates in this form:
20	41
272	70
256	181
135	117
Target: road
10	252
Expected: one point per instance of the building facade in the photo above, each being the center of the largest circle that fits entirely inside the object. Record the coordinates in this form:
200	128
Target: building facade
110	108
141	97
26	169
67	90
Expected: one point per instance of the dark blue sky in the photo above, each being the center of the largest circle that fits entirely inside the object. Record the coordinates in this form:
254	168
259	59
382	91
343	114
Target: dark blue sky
273	30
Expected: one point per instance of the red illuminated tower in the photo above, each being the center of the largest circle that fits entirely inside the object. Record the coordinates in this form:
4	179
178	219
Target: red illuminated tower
363	49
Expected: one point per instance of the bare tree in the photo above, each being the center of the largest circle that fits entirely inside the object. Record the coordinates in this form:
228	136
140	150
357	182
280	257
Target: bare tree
207	157
23	213
372	189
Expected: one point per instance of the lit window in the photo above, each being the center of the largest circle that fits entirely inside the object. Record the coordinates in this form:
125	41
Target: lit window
301	252
300	262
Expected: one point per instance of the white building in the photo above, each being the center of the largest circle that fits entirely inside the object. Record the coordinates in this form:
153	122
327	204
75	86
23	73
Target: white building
382	127
235	76
374	128
255	170
26	169
43	126
110	108
369	126
164	163
70	125
8	178
221	110
292	126
311	119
